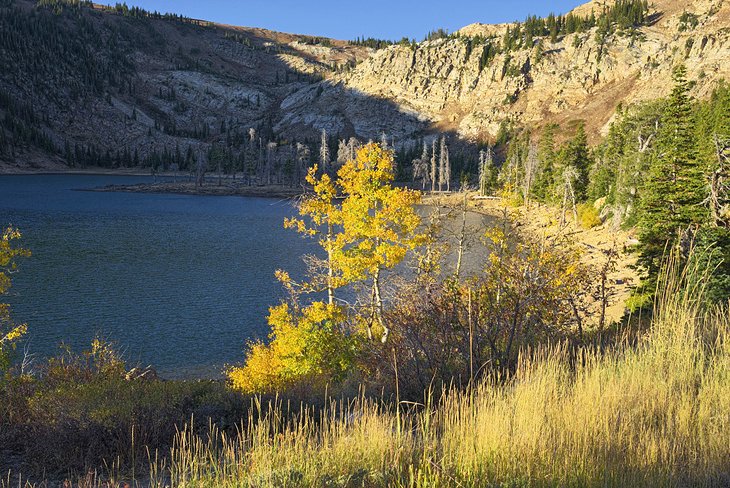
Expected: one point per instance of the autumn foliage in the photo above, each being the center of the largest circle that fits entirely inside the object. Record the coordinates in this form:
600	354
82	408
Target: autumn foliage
10	332
365	226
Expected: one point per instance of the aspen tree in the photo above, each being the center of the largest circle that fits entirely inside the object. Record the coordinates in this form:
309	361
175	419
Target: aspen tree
10	332
323	215
379	224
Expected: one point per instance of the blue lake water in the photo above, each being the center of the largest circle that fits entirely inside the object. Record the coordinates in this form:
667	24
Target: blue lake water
178	282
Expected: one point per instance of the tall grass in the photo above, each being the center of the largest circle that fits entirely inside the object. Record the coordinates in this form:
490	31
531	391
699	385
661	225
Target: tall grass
656	413
652	413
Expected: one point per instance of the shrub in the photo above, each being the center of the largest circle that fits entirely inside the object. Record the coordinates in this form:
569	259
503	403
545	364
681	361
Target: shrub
80	412
651	414
588	216
308	350
10	332
529	294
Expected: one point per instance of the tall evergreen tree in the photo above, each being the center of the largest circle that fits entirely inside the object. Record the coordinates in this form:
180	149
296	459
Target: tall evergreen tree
576	154
672	203
545	180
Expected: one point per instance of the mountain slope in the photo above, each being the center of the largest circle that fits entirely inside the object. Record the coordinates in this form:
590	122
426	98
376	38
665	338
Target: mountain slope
82	85
442	79
98	82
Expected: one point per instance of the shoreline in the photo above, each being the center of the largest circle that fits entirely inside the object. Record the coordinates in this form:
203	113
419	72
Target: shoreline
9	170
95	172
173	183
212	189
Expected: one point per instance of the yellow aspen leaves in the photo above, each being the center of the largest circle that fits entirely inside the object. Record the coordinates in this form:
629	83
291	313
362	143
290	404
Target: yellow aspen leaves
365	225
9	332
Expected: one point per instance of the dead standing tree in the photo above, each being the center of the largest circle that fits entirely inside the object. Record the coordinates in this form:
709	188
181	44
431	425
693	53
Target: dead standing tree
324	153
486	166
420	168
719	198
433	166
444	167
201	165
570	175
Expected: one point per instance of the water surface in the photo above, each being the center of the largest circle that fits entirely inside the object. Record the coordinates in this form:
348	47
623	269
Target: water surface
177	281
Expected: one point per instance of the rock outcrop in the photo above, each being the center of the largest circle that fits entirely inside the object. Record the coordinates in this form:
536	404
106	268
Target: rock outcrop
576	77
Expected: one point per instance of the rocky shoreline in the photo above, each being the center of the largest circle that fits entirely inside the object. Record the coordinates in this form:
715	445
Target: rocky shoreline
189	188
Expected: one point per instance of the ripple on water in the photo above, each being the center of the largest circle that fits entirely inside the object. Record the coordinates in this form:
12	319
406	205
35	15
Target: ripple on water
179	282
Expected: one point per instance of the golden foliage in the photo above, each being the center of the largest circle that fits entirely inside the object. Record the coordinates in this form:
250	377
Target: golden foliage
588	216
9	332
321	216
371	229
656	413
379	220
307	346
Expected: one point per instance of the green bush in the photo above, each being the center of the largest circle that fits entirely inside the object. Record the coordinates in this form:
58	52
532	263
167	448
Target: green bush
588	216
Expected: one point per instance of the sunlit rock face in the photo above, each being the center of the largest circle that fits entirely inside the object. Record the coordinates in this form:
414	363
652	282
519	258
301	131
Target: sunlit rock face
575	78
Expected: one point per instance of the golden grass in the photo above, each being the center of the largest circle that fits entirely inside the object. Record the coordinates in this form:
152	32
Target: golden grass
655	413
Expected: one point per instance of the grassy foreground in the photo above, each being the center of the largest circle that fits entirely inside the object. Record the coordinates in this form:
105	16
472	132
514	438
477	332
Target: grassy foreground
655	413
652	413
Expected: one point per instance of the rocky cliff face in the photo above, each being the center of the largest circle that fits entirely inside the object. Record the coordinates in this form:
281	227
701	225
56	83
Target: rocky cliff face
162	85
574	78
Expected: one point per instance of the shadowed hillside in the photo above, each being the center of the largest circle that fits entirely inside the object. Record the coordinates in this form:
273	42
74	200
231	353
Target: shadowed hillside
83	86
114	87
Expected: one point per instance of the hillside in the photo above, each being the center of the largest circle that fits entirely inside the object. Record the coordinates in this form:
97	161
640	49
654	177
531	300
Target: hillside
94	82
94	86
569	80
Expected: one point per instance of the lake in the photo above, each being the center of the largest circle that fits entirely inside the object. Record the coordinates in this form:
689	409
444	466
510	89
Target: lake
178	282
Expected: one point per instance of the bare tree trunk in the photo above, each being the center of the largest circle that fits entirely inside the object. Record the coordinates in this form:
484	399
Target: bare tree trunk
563	207
433	166
462	237
447	171
442	164
575	208
330	271
471	343
378	306
719	184
604	299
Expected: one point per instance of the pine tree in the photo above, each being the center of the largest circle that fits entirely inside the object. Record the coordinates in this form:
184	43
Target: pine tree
672	203
545	179
576	154
530	170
